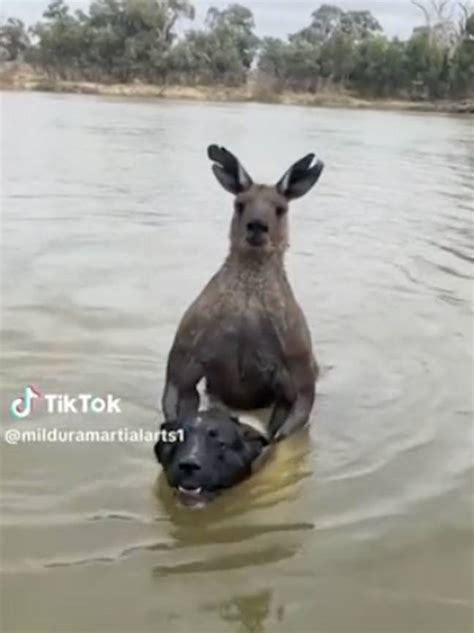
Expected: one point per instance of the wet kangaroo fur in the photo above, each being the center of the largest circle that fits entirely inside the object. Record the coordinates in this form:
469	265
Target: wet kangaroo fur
245	334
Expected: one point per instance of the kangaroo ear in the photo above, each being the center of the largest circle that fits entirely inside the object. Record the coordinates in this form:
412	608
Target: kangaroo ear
228	170
299	179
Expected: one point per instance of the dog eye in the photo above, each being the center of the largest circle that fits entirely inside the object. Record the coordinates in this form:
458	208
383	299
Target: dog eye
280	211
213	433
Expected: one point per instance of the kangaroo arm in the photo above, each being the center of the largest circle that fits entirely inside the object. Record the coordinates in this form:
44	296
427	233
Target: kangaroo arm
290	416
180	395
298	416
184	368
296	394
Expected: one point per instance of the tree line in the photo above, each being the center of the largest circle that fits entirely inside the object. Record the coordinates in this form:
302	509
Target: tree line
127	40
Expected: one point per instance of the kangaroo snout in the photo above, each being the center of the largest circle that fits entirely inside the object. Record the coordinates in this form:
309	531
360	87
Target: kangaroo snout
257	231
257	227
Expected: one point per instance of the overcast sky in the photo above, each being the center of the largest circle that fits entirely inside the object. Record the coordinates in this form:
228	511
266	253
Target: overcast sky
272	17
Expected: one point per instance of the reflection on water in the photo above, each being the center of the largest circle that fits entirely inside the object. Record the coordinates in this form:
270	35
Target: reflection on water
112	222
250	611
228	520
281	476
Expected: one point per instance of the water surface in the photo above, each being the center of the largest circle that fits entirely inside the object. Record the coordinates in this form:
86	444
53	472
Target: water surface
112	222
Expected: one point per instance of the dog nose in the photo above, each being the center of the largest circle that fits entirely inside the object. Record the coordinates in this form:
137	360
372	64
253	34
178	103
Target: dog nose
189	466
257	226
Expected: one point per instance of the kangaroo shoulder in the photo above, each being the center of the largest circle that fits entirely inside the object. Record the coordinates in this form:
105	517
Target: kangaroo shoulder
200	312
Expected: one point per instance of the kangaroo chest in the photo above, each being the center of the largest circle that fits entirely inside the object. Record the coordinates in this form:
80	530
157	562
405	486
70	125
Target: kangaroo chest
245	337
244	356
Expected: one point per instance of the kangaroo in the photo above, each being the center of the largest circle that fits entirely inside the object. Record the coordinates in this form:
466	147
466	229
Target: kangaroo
245	334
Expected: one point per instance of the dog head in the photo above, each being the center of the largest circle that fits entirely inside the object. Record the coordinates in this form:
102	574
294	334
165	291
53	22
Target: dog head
209	453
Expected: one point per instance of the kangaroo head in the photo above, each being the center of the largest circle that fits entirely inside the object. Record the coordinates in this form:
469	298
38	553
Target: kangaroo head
260	220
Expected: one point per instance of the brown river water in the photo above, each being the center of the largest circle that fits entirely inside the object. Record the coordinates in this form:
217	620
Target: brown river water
111	223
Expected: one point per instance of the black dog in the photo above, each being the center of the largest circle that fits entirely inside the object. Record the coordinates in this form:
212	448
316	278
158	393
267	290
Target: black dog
216	452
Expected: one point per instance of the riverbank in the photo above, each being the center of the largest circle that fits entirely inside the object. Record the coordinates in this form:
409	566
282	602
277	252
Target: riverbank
14	77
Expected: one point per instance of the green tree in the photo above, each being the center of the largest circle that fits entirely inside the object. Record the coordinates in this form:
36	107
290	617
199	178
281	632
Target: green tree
59	40
14	39
116	40
303	71
273	61
425	65
234	26
176	10
123	40
329	20
324	52
337	58
221	53
394	70
379	68
462	65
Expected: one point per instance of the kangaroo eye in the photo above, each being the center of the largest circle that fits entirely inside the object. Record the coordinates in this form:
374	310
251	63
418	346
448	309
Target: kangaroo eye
239	207
280	211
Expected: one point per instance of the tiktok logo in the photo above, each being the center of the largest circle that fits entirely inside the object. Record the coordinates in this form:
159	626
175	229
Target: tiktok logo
22	407
63	403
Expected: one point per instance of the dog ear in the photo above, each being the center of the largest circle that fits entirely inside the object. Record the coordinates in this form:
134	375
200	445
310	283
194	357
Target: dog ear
249	433
254	442
162	449
300	177
228	170
252	435
257	446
